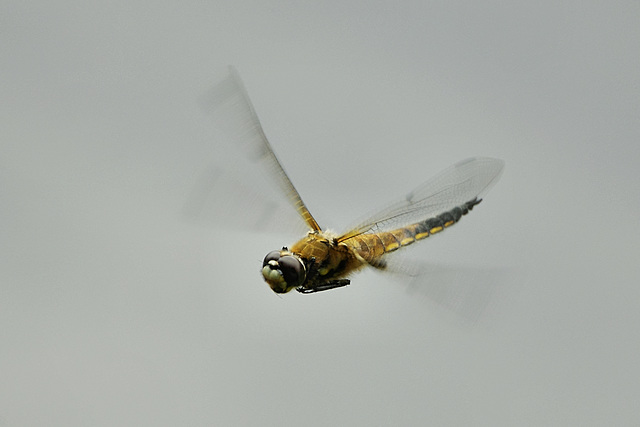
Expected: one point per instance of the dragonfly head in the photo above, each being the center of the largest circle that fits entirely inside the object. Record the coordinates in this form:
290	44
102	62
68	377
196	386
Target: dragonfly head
283	271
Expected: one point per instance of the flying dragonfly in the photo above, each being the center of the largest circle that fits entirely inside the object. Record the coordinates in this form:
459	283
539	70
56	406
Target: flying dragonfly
324	260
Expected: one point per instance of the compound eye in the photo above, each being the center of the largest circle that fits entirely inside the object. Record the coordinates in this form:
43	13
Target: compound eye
271	256
292	270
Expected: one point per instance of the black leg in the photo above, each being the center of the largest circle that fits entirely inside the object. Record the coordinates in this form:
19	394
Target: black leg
324	286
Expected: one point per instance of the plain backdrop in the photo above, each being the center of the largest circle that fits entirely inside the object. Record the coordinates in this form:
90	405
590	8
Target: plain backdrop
118	308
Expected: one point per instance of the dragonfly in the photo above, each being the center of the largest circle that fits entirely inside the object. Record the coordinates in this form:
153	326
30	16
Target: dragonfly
323	260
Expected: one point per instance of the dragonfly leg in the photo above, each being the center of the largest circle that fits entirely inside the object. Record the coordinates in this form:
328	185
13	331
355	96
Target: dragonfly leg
324	286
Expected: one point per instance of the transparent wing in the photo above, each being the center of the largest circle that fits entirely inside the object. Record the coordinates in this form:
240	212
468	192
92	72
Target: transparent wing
235	115
235	195
466	180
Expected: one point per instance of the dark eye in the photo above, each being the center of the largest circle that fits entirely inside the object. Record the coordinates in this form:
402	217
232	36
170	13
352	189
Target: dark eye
292	270
271	256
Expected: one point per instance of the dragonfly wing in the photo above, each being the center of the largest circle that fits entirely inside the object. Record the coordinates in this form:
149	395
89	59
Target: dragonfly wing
239	198
463	182
235	116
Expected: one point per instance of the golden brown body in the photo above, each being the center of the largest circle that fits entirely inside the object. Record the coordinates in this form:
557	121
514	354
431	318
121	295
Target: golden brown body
331	258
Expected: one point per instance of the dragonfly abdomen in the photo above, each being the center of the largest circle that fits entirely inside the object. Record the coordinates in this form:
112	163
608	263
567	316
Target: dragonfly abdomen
373	245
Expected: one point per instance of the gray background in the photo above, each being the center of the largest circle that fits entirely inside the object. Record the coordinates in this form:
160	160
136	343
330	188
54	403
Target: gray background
116	308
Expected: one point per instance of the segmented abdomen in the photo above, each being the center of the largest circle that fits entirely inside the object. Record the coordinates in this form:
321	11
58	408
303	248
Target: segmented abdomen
372	246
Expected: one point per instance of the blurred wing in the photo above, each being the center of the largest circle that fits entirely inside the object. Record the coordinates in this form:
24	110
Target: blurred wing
239	198
463	182
235	115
